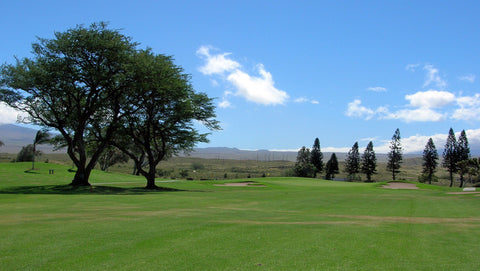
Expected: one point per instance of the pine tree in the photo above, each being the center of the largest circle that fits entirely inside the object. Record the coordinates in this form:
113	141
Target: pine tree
450	157
430	157
463	153
316	156
395	154
352	162
331	167
369	161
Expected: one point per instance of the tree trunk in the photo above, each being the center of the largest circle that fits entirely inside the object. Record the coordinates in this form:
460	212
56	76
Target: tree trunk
461	180
150	175
451	178
81	177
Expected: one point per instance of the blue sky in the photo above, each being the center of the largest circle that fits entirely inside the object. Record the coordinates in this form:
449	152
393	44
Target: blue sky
286	72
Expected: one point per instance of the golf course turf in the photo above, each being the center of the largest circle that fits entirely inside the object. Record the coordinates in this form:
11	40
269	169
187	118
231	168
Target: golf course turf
271	224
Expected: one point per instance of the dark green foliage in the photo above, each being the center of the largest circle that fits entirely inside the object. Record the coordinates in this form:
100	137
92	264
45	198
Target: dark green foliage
74	83
468	167
303	166
25	154
395	154
430	157
110	157
369	162
450	156
197	166
316	156
331	167
463	153
162	118
1	143
352	162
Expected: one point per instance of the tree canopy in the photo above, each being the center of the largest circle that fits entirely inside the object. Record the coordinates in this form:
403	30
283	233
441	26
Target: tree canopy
162	120
331	167
450	156
91	83
352	162
316	156
430	157
369	161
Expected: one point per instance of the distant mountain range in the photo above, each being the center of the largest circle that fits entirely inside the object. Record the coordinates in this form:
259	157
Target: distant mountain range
16	136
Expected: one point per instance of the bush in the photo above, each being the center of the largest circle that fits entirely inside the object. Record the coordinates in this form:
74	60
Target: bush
197	166
26	154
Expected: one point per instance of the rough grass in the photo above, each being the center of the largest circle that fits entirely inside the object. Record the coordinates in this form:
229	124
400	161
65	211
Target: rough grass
290	224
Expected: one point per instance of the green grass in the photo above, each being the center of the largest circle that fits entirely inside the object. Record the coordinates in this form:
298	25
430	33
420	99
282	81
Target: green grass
291	224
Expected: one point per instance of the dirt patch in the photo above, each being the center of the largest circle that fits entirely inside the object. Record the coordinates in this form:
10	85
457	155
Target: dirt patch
241	184
400	185
463	193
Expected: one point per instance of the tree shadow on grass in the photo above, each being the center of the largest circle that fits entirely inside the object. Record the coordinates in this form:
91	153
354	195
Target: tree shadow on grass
86	190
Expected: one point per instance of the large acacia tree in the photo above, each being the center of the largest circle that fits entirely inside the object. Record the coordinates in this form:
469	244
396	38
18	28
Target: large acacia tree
162	118
75	83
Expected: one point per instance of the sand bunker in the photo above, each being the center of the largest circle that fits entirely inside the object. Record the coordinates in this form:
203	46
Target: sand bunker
241	184
399	185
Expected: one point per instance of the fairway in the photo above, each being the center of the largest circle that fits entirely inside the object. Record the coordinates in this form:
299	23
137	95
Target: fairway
271	224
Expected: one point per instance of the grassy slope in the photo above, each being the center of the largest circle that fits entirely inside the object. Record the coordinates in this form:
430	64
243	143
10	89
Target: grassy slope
291	224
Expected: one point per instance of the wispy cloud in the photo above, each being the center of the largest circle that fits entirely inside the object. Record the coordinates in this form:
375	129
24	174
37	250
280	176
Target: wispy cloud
412	67
259	88
306	100
468	78
432	77
377	89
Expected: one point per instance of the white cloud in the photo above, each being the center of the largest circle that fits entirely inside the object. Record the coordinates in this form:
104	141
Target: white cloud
377	89
422	114
416	143
7	114
259	89
432	77
216	64
355	109
468	78
469	108
430	98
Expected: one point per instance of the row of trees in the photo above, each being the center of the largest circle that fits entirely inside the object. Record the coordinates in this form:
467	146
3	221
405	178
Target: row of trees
97	89
310	163
456	159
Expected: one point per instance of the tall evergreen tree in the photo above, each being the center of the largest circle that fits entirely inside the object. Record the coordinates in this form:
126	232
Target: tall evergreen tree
450	155
303	166
369	162
395	154
331	167
316	156
463	153
352	162
430	157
